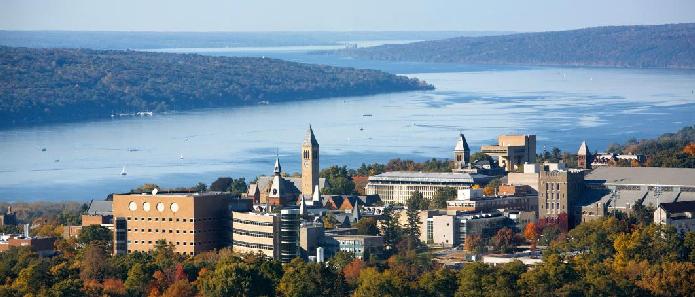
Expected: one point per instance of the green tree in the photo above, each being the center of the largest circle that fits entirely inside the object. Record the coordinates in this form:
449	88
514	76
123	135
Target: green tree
137	281
338	181
367	226
341	259
438	283
412	228
441	196
390	229
200	187
34	279
95	234
311	280
689	246
474	280
236	280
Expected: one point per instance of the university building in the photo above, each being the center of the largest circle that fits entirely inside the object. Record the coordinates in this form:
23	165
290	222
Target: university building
192	222
512	151
398	186
275	235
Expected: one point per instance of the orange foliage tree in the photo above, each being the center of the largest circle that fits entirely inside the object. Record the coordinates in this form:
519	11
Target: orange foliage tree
531	234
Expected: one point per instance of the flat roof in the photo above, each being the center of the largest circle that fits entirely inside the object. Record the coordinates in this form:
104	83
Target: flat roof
416	176
642	176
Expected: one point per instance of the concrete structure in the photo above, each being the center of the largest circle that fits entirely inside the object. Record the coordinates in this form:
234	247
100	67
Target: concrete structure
310	163
398	186
192	222
361	245
619	189
489	204
311	237
560	192
451	230
512	151
529	177
677	214
8	218
275	235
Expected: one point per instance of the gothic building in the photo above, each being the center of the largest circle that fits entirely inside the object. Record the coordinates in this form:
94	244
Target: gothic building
584	157
310	163
462	153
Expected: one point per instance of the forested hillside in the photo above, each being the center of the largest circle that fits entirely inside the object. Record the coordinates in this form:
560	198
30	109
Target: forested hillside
48	85
662	46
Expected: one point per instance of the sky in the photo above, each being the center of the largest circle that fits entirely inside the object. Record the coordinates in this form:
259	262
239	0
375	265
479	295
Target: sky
330	15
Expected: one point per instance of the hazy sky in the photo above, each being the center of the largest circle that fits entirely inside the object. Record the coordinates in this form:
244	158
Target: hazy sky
328	15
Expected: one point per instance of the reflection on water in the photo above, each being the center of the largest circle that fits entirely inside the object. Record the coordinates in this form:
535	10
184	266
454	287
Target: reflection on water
563	106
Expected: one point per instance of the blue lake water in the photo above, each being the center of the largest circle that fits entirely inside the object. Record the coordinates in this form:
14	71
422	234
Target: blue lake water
562	106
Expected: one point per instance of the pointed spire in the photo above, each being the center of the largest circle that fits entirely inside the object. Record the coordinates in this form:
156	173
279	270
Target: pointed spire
317	195
356	210
583	149
278	168
302	207
309	138
461	143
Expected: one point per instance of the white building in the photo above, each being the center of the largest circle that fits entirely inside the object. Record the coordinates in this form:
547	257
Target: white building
678	214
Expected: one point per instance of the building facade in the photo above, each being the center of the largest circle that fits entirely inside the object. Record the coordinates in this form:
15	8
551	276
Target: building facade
398	186
360	245
512	151
462	154
275	235
677	214
560	192
191	222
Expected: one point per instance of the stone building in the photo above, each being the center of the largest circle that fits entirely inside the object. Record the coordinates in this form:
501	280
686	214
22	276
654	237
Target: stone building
560	192
310	163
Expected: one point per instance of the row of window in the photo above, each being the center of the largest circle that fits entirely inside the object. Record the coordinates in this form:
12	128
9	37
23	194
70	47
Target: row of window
157	219
249	222
253	245
253	233
182	253
172	230
177	243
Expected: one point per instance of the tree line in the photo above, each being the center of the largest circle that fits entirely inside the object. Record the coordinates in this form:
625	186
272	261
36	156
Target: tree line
50	85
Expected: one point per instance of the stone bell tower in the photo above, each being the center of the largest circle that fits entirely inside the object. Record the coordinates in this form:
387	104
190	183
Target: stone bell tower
310	163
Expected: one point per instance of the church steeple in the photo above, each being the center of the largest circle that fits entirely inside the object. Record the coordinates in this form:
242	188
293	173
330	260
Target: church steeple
584	156
462	153
278	168
310	163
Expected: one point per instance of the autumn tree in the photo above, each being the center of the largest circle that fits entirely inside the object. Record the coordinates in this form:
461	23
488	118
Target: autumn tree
387	284
352	270
474	244
180	288
504	240
531	234
94	263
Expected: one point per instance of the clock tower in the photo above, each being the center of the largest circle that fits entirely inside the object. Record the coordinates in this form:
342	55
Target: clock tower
310	163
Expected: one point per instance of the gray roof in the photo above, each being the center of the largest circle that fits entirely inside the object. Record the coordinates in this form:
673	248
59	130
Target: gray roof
643	176
429	177
309	137
100	207
264	182
461	144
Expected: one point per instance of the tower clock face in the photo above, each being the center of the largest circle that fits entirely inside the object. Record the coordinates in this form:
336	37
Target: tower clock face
275	191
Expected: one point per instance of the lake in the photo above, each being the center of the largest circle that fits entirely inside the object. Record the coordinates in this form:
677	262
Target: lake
562	106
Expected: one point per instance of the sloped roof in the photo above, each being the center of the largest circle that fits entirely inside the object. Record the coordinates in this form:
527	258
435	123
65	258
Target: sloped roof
674	207
461	144
583	149
264	182
642	176
100	207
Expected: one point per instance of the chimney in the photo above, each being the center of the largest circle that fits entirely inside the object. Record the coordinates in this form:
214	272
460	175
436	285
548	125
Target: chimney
26	230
